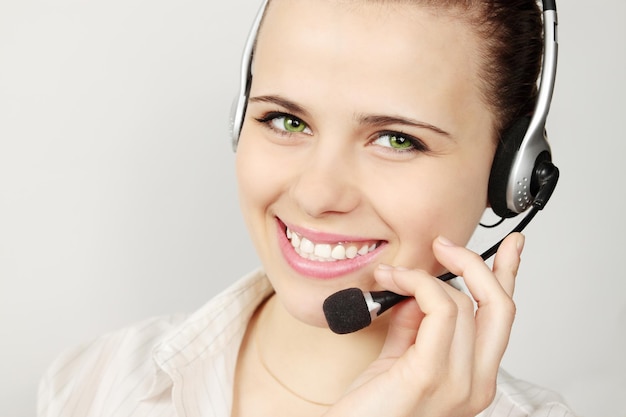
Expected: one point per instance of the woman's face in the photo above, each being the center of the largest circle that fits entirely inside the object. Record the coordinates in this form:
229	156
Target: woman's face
365	138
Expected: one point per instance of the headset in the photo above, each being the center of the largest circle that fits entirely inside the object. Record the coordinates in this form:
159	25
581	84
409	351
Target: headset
522	174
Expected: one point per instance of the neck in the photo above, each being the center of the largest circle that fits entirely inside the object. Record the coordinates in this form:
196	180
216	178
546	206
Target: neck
314	360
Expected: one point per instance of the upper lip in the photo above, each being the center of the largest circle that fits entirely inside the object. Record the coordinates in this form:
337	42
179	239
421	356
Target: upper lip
318	236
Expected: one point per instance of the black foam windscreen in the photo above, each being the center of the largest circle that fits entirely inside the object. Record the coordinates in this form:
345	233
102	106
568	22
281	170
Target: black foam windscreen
506	151
346	311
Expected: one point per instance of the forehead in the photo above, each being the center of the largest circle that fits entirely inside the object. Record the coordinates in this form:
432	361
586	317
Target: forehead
403	54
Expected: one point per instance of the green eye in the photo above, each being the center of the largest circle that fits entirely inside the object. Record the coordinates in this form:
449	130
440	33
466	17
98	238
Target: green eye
395	141
293	125
285	124
399	142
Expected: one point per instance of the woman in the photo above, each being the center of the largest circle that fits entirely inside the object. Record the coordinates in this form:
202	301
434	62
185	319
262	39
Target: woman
363	161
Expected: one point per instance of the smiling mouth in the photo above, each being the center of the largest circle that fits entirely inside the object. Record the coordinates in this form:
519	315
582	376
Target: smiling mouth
327	252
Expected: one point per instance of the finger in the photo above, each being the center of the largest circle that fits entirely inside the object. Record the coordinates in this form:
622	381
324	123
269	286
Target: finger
404	323
507	261
465	263
405	319
462	350
437	326
496	310
505	267
462	346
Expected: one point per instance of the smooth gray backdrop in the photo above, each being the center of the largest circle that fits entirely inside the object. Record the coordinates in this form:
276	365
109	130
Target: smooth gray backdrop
118	202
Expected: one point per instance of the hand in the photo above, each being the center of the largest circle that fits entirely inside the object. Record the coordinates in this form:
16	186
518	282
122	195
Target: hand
441	355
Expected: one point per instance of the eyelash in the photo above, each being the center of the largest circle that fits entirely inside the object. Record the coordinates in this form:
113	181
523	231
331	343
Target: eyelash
416	144
268	119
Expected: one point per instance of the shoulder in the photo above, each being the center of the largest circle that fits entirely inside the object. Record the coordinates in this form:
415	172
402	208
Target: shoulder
518	398
119	370
85	375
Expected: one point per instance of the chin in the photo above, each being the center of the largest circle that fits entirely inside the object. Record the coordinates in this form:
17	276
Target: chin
308	312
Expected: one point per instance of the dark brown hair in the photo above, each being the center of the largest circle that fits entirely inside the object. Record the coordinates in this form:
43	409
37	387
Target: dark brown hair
513	36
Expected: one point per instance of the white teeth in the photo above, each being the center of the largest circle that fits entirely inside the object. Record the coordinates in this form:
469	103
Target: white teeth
295	240
325	252
307	246
339	252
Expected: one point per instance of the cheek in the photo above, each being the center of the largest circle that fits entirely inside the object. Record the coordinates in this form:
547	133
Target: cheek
466	197
257	175
245	169
445	198
262	179
253	178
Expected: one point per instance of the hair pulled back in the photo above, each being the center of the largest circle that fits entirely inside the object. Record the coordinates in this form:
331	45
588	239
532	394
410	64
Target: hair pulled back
512	31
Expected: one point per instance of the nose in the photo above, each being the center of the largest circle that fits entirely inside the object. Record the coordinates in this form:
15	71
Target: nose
327	182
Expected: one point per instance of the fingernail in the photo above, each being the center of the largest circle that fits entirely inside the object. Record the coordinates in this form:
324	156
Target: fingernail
520	243
444	241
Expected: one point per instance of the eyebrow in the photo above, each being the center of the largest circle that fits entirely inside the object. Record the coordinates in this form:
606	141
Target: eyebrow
382	120
367	119
281	101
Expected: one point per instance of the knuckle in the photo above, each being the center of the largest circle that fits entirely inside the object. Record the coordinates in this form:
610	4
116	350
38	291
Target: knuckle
464	392
427	381
474	259
505	306
483	397
508	307
449	310
465	305
514	269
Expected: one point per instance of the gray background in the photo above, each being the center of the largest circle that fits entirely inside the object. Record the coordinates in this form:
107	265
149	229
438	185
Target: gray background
117	191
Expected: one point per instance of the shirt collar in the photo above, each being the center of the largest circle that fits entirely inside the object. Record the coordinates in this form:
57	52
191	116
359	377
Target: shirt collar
217	325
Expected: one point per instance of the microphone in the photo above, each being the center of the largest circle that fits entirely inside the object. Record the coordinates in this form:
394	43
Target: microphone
350	310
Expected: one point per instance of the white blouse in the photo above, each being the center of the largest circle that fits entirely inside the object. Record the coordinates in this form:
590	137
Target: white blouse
185	367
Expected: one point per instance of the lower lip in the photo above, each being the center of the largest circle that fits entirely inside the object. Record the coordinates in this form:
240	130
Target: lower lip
321	270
